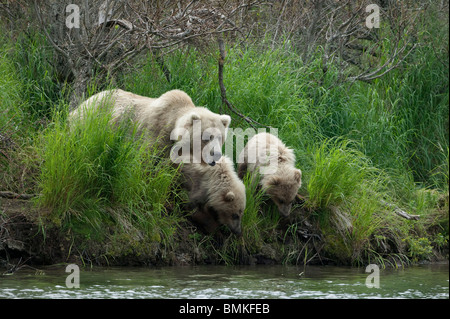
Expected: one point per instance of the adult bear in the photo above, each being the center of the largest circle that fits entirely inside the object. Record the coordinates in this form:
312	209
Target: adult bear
170	119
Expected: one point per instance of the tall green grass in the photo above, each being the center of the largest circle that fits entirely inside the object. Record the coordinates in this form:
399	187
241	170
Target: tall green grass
17	159
42	88
96	175
338	175
13	104
346	193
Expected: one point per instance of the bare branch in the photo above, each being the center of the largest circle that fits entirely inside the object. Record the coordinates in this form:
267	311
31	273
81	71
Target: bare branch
12	195
223	91
57	47
387	66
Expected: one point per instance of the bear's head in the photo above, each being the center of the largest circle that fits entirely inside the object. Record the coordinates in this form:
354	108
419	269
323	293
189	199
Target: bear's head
226	197
282	188
227	208
200	134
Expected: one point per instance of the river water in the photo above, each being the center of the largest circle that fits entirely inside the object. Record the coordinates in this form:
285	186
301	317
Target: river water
424	281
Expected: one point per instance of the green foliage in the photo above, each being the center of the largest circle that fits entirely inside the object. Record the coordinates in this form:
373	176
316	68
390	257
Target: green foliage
358	145
96	174
41	89
337	174
17	159
420	248
11	101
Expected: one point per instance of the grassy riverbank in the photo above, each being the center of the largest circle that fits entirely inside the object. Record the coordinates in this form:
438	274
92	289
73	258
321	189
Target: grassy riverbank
365	149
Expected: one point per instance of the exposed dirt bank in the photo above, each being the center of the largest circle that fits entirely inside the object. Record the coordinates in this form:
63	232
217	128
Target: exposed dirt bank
25	241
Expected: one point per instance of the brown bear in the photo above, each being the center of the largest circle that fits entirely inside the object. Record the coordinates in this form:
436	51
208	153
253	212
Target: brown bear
267	155
217	193
166	119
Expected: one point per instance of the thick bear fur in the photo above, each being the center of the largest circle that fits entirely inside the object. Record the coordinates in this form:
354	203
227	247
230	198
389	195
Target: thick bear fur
159	117
280	180
217	193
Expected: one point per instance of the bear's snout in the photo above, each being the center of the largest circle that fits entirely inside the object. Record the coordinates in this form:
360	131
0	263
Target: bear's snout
235	227
285	209
213	157
236	230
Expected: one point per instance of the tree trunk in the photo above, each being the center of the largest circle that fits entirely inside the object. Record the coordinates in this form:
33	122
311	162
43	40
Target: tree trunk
79	85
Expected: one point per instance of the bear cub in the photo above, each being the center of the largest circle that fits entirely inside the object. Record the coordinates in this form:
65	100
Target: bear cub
217	193
267	155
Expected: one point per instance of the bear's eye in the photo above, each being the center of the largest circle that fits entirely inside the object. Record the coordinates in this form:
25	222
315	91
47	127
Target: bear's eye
235	216
282	202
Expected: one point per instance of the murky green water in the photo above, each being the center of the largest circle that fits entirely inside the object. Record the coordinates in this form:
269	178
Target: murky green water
426	281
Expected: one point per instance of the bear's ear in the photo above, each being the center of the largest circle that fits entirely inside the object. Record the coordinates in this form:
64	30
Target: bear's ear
298	175
194	116
226	120
229	197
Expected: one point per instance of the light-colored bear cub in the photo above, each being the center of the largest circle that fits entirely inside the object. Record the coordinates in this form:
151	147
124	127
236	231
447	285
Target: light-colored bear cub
267	155
217	193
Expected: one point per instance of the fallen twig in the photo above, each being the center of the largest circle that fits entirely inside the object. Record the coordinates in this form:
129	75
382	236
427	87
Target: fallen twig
400	212
12	195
